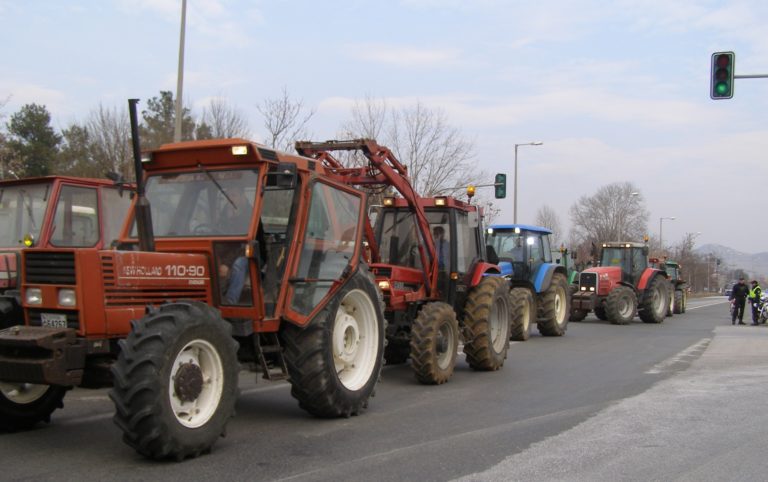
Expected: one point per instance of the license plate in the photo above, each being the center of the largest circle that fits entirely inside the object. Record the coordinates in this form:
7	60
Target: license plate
53	320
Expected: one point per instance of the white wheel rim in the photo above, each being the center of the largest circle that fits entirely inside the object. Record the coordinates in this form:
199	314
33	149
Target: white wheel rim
23	393
196	408
526	315
355	340
445	359
499	324
560	306
625	307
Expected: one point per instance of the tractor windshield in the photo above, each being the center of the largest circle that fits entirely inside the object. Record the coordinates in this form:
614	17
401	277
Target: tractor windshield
22	208
509	245
206	203
612	256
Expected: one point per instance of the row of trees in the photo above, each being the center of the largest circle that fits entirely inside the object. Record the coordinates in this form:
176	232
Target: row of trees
439	157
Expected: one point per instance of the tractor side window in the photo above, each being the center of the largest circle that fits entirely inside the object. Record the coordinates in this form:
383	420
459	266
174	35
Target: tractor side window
400	240
114	209
466	243
76	220
329	244
547	247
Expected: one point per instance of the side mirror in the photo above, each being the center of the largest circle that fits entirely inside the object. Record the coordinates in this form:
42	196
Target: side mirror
645	250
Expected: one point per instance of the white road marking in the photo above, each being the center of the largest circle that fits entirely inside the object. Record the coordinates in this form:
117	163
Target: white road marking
704	306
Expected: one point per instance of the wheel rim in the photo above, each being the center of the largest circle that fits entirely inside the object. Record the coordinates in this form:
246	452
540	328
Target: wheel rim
657	301
526	314
197	383
23	393
355	340
625	307
560	306
444	345
499	324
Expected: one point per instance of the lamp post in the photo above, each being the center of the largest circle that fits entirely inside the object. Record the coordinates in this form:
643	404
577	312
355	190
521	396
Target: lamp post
180	76
534	143
661	239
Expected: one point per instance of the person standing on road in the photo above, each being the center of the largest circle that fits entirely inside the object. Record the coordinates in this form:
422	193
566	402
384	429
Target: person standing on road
739	297
754	298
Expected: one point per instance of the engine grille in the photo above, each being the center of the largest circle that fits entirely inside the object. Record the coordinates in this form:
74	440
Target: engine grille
130	296
587	280
52	268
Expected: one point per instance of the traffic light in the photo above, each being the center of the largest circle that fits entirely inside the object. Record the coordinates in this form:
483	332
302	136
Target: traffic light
500	185
723	71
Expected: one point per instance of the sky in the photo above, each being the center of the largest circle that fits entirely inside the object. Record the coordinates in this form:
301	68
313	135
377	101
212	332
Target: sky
616	90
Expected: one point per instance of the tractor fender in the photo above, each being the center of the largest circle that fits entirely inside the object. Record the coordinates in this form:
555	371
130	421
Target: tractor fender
543	277
482	269
646	278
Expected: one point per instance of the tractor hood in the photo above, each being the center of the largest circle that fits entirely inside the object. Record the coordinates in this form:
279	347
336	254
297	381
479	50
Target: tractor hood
600	280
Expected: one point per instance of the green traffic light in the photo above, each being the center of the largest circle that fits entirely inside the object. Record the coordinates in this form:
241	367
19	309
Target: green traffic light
721	88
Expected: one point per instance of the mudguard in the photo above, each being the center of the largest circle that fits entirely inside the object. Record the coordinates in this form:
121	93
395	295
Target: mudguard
482	269
543	277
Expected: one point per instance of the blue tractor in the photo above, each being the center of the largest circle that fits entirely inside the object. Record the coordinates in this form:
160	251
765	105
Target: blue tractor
539	285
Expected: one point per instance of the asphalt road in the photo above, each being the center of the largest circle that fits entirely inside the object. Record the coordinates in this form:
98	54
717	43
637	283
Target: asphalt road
636	402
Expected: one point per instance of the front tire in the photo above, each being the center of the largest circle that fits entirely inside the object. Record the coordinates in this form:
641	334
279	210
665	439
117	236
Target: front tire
600	313
487	315
175	381
679	302
653	308
555	307
434	343
577	315
23	405
620	306
522	314
335	361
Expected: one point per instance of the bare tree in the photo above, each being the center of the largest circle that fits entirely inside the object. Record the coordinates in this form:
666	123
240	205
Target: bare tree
615	213
224	120
547	217
4	153
110	133
285	120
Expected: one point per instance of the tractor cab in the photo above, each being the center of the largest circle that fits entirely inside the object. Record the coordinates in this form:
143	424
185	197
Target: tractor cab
631	258
521	249
457	236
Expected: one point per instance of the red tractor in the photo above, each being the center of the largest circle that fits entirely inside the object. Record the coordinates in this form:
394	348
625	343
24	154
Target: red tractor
53	211
428	258
245	255
624	284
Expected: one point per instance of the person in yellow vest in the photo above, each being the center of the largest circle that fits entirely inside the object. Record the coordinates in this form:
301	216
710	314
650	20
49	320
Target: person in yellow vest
755	294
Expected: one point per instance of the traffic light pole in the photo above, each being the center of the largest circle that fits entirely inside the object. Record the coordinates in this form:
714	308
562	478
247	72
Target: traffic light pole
753	76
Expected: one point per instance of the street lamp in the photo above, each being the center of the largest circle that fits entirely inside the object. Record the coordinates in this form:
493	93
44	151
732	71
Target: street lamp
534	143
661	239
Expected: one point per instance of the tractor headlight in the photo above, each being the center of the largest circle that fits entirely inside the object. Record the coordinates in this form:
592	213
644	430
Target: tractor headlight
33	296
383	285
67	297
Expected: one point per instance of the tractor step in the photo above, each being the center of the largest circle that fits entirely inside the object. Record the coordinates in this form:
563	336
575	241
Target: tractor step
269	353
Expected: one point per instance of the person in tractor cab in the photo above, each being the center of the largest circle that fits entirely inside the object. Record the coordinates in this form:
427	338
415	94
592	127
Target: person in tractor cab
755	295
739	298
441	246
235	218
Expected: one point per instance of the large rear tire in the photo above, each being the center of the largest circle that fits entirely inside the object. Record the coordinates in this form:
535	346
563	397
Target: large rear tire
434	343
487	315
522	314
555	307
679	302
653	307
175	381
23	405
335	361
620	306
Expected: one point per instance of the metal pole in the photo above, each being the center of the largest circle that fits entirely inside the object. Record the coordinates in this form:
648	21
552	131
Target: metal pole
180	77
514	218
661	238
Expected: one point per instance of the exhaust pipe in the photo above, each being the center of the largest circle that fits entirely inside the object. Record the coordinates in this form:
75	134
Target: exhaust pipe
142	213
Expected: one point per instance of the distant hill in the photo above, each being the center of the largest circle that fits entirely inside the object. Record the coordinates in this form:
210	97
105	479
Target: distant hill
756	264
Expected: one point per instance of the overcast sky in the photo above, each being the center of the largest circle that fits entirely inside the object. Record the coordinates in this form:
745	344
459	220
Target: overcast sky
617	90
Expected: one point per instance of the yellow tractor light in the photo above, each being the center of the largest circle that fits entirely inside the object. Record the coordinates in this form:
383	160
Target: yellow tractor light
29	240
470	191
389	201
